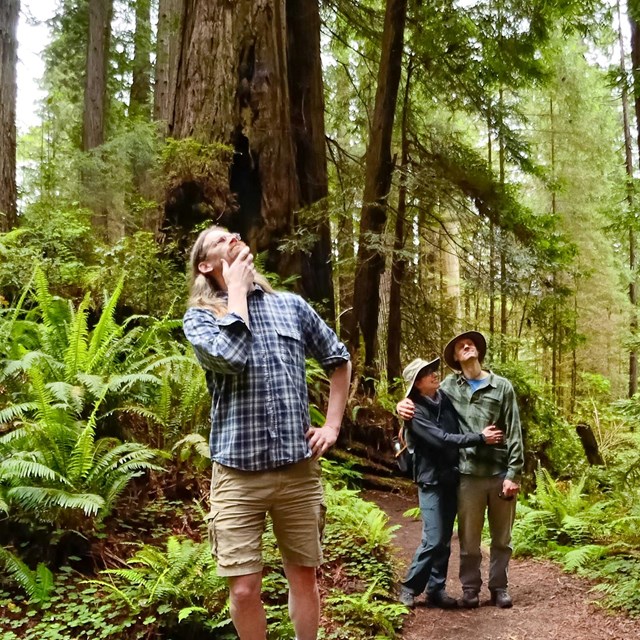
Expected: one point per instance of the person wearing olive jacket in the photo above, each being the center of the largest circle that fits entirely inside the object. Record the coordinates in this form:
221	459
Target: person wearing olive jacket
434	436
489	477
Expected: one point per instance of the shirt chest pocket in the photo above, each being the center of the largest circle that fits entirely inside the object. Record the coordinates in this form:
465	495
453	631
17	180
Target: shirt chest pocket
290	346
487	407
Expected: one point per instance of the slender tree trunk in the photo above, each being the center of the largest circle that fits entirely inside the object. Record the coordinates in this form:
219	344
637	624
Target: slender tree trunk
555	347
633	280
139	97
95	95
398	263
492	244
378	172
502	250
105	219
9	11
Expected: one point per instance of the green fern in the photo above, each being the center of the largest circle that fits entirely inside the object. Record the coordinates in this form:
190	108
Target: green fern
37	584
53	468
182	575
75	353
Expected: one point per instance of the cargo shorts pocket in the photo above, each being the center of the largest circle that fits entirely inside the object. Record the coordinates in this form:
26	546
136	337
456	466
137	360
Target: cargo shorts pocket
210	520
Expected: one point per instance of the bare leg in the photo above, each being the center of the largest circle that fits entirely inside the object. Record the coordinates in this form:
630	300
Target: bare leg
247	611
304	601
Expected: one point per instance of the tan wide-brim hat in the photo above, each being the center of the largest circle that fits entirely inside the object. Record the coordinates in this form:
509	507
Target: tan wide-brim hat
412	370
476	337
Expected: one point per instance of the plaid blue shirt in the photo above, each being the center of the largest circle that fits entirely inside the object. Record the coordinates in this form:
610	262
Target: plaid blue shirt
256	376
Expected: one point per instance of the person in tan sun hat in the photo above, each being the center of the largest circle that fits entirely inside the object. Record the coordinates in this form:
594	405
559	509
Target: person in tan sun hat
489	476
435	438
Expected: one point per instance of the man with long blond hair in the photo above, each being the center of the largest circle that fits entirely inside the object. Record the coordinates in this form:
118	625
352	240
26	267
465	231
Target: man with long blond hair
252	343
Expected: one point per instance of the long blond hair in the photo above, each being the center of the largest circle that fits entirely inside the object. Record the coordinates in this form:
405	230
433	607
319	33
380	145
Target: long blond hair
204	291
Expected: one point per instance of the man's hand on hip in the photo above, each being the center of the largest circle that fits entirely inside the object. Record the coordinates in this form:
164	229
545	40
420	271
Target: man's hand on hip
321	439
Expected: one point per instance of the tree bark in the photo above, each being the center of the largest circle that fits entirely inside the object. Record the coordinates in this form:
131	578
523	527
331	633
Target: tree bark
378	172
398	263
306	92
589	444
139	96
249	76
633	281
9	11
95	95
169	42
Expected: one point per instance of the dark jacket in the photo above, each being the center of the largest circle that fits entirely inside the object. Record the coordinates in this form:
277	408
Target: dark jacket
435	436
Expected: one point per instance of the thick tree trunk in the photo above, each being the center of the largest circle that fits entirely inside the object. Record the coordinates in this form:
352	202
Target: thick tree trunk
379	168
249	76
169	43
9	10
233	88
306	92
95	95
139	96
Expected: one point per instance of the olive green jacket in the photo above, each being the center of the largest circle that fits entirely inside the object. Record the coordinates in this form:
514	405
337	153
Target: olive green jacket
493	403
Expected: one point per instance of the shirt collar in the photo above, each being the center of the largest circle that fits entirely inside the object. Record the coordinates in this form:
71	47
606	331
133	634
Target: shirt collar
461	380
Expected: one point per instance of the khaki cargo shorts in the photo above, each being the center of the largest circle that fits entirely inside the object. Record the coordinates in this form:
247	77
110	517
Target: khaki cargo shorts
240	500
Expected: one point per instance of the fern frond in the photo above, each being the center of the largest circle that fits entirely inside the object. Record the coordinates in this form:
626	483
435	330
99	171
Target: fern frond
32	498
106	330
31	359
75	355
37	584
192	442
69	395
6	328
95	384
16	411
14	468
583	556
55	316
123	383
44	398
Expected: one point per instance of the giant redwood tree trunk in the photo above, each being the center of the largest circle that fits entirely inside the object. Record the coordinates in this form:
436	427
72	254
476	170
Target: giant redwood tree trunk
9	10
379	169
249	76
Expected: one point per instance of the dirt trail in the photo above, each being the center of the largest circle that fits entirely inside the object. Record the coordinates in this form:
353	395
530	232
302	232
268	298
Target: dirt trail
548	604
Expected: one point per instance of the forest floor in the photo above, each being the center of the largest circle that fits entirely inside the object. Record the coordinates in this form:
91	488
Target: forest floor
548	603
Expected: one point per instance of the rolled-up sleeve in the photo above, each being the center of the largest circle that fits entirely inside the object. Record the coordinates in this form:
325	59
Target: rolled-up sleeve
320	340
221	345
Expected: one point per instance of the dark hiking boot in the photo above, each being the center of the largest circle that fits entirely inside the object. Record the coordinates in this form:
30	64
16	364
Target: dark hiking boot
470	599
441	599
501	599
406	597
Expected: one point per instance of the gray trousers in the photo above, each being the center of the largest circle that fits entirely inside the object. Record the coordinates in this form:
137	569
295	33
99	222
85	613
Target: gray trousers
477	495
